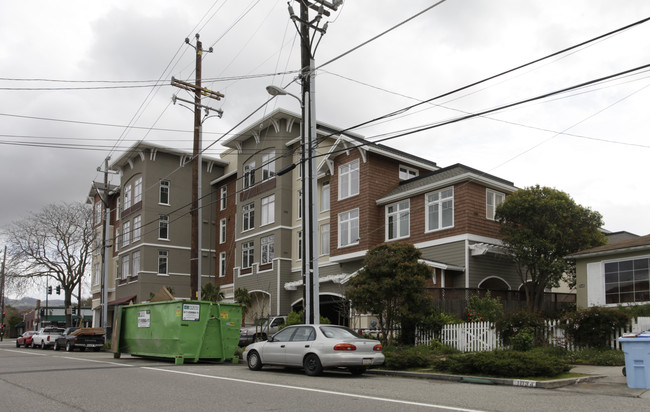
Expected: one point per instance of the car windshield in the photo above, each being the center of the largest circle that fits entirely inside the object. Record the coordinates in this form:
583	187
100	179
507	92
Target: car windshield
339	332
262	322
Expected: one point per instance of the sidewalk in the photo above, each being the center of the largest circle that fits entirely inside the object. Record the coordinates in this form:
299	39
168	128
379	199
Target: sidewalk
612	382
602	380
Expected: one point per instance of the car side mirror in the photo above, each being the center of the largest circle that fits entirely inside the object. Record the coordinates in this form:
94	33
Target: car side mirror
270	339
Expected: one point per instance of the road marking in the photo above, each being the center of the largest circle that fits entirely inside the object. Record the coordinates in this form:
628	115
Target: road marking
275	385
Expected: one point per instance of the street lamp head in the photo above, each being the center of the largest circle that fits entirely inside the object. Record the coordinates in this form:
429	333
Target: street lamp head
276	91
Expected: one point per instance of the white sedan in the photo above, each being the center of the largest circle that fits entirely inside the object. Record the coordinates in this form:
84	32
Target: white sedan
314	348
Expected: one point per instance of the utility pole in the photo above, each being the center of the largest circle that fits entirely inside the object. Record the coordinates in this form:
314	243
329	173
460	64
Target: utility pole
197	164
2	296
105	246
309	143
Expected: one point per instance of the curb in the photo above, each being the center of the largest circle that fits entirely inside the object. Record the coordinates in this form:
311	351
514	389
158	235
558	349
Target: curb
551	384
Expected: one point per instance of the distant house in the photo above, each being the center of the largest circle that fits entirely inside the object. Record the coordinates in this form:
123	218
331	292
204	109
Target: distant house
613	274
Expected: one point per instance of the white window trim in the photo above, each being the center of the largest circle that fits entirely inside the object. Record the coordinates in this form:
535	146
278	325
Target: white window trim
248	211
167	185
356	242
249	175
222	231
266	246
453	210
250	248
493	194
268	210
137	228
126	234
222	264
354	168
165	254
323	196
137	191
397	214
322	243
268	165
223	198
161	219
409	172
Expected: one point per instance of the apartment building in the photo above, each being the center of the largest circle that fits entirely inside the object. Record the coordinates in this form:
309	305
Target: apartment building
367	194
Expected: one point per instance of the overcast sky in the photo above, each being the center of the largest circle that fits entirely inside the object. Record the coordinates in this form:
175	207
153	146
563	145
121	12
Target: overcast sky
106	56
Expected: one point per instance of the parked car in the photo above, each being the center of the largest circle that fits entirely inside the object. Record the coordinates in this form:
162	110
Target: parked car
263	328
25	339
314	348
80	338
45	337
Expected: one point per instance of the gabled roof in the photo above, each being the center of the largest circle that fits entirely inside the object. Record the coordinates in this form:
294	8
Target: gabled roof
639	244
138	149
445	177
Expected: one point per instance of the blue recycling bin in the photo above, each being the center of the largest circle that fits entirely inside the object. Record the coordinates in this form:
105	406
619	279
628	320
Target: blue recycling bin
637	359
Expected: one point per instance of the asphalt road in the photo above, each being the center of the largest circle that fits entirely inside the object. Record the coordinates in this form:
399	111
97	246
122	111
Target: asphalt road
38	380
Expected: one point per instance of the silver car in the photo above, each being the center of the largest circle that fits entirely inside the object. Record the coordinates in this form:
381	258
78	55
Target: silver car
314	348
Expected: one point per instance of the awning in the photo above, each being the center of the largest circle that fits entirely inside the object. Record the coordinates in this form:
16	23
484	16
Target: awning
122	301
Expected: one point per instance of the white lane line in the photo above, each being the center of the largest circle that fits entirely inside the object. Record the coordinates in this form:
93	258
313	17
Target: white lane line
275	385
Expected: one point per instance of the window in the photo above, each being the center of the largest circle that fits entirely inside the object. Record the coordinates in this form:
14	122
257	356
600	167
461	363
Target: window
249	175
300	204
127	197
222	231
268	210
349	228
137	228
126	266
97	273
98	213
222	264
267	249
117	210
325	197
116	241
163	227
224	197
627	281
126	234
248	216
299	243
325	239
268	165
137	191
349	179
162	262
247	254
492	200
440	209
164	192
397	220
406	173
136	264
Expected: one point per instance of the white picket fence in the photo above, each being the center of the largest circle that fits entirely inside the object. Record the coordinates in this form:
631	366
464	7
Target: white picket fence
482	336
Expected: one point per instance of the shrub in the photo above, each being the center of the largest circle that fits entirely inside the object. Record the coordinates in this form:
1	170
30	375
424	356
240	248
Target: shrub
600	357
296	318
486	309
437	320
594	327
504	363
636	310
509	326
410	357
524	339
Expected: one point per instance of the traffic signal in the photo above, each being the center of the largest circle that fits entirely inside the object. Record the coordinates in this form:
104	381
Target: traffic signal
58	290
49	290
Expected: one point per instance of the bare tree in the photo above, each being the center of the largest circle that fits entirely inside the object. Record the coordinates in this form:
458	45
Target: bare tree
55	243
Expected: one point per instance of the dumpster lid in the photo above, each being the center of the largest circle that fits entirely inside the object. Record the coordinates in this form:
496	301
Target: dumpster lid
121	300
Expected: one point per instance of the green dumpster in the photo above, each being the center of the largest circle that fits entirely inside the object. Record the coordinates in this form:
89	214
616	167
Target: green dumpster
181	330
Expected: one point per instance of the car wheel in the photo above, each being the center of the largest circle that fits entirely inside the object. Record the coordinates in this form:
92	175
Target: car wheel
254	362
56	346
68	347
312	365
43	345
357	370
